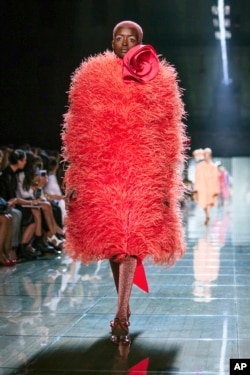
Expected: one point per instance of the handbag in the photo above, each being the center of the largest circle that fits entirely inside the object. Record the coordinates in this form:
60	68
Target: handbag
3	206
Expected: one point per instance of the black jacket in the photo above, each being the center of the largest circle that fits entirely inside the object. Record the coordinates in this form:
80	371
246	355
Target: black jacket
8	184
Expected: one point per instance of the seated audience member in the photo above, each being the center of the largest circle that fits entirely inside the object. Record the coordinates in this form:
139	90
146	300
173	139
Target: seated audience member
1	160
29	180
40	181
52	188
42	166
4	159
16	214
5	239
8	188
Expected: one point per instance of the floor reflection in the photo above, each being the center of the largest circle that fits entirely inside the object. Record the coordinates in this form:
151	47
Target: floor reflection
206	265
206	255
92	359
55	312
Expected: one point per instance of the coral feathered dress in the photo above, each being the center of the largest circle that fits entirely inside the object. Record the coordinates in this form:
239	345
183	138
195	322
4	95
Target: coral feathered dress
124	144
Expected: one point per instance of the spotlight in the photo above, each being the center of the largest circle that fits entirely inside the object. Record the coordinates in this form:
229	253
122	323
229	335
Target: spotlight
221	22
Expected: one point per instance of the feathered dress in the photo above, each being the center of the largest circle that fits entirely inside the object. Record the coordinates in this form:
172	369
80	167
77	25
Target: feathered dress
207	183
124	146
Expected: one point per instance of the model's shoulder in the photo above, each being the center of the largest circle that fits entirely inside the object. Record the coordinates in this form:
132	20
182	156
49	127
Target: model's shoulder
166	67
94	67
100	59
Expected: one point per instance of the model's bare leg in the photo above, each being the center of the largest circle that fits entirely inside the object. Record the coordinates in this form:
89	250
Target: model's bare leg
38	221
123	275
115	271
207	218
28	233
48	215
126	276
115	267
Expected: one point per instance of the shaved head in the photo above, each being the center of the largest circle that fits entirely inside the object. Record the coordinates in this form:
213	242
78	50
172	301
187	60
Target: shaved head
132	25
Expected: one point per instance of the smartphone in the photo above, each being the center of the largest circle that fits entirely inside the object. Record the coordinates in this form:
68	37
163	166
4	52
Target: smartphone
38	193
43	173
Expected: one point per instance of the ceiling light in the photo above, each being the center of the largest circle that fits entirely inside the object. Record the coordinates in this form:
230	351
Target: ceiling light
223	34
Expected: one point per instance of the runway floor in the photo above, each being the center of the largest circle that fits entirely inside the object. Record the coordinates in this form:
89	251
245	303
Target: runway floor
55	313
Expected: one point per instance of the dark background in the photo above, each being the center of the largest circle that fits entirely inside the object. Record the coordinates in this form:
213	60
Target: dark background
43	41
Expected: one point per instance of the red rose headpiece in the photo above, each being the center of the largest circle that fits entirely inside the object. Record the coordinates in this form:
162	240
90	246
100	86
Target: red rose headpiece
140	64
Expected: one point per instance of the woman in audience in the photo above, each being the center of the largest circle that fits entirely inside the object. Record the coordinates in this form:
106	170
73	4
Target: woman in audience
30	182
8	188
52	188
5	240
15	214
1	160
4	159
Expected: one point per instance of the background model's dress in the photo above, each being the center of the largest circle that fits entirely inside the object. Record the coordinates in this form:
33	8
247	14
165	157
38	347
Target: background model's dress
124	142
206	183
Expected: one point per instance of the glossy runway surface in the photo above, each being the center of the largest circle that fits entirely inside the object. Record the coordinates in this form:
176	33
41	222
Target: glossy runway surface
55	313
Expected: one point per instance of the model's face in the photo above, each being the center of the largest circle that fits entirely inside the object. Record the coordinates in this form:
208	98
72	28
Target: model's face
124	39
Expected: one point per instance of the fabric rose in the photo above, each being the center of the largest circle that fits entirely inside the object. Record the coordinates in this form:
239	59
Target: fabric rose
140	64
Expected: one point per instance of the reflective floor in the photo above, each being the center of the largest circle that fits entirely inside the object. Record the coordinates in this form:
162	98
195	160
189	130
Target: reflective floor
55	313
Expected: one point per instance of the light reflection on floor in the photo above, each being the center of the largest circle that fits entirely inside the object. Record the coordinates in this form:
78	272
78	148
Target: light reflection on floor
55	313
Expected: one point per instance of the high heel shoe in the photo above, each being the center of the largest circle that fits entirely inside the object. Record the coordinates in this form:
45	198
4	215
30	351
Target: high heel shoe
54	241
60	236
207	220
8	263
119	331
27	252
129	313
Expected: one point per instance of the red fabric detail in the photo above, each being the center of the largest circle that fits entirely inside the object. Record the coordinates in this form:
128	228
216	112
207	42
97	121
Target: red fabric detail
140	64
140	278
140	368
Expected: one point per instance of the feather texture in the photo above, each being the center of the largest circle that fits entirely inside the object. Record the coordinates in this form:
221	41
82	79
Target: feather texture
124	143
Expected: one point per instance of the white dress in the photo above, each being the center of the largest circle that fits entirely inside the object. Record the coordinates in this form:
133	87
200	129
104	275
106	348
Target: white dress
52	187
21	192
